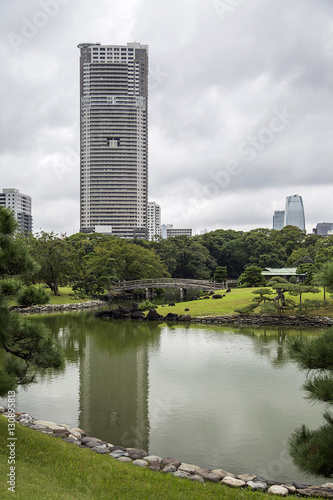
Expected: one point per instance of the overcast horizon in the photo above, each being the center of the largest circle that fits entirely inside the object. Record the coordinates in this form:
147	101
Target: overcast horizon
240	106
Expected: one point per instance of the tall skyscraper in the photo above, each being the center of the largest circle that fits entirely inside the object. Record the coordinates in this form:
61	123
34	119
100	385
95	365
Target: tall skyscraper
278	220
20	205
294	212
114	138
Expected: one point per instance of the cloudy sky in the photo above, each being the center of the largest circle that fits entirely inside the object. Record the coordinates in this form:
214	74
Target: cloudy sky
240	105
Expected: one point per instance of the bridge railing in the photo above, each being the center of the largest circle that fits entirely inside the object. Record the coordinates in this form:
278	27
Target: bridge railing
177	282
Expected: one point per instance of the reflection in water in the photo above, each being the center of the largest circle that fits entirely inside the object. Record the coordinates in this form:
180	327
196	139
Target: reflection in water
216	396
114	383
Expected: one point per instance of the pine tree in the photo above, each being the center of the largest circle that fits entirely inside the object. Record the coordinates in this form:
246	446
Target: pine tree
312	450
28	346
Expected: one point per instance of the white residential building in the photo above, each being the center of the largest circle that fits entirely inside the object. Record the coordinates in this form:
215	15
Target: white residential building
154	220
21	206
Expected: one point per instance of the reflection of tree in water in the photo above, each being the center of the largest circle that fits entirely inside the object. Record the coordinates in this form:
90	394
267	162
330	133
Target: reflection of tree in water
271	342
312	451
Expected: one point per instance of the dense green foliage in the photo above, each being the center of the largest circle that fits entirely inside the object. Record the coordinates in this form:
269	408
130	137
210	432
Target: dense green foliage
32	295
91	263
27	346
312	451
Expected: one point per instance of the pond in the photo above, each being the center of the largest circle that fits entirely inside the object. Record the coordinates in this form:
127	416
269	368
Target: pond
213	396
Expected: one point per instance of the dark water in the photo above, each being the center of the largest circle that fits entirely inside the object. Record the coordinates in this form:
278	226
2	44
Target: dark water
212	396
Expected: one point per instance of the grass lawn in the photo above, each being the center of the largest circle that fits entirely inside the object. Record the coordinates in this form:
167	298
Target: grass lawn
63	298
238	297
47	468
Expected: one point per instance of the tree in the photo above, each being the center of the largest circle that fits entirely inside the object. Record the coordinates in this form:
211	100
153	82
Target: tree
28	346
251	277
59	262
220	274
312	451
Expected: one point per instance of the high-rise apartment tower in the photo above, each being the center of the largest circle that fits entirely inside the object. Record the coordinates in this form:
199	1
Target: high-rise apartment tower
20	205
114	138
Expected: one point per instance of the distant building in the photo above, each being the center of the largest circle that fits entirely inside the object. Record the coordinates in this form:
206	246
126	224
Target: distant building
324	229
21	206
168	231
284	272
294	212
278	220
154	220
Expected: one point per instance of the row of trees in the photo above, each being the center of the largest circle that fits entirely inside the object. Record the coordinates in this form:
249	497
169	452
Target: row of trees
93	262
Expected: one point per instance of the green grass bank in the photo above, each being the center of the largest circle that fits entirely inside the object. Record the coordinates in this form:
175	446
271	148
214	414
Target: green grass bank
47	468
238	297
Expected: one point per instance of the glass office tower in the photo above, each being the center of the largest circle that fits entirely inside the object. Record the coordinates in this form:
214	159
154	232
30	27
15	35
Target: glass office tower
294	212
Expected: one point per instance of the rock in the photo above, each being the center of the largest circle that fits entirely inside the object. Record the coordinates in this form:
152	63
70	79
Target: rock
154	466
171	461
70	440
171	317
101	450
278	490
298	485
181	474
136	453
153	458
195	477
257	485
88	438
185	317
2	409
191	469
171	305
119	453
169	468
46	423
327	485
140	463
246	477
233	482
113	448
316	491
222	473
153	316
124	459
215	478
187	309
216	296
290	488
92	444
137	315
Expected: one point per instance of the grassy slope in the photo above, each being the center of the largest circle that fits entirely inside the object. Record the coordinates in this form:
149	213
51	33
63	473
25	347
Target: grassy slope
238	297
48	469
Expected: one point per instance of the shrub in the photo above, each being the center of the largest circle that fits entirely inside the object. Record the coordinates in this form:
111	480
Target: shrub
32	295
146	305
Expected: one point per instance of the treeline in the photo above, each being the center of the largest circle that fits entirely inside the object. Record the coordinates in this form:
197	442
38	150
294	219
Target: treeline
93	262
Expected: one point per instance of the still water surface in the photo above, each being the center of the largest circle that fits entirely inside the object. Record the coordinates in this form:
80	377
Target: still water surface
216	397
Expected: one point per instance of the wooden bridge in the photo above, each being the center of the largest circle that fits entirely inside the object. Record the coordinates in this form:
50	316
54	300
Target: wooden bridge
182	284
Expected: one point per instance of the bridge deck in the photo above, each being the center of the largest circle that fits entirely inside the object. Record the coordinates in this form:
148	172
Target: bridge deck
172	283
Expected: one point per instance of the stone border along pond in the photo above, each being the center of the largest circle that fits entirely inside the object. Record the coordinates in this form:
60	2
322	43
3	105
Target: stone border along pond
168	465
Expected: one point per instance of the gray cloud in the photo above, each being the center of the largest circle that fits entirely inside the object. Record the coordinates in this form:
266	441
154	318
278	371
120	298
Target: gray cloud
217	79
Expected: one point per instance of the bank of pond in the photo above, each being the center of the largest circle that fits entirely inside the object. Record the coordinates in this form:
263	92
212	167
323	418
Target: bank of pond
221	396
